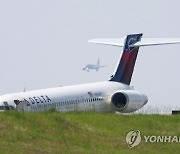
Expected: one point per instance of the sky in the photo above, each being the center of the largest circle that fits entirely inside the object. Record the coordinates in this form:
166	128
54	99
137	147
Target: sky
43	44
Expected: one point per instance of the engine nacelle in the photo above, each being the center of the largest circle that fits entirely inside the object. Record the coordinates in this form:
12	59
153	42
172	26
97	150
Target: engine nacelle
126	101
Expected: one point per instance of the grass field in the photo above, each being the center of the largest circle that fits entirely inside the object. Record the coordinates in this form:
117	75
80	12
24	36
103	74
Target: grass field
83	132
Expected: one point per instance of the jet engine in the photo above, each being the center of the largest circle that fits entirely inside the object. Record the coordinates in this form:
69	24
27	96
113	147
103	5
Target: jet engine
126	101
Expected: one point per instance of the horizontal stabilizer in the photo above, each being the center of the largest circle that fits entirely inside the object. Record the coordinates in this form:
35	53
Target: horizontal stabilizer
114	42
157	41
143	42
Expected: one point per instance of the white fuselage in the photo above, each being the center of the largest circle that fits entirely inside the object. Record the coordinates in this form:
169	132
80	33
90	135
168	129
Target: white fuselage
92	96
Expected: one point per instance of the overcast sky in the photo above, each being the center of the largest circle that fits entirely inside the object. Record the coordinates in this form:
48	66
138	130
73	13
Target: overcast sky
44	44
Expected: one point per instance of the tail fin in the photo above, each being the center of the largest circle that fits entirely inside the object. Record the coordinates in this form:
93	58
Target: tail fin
125	67
131	44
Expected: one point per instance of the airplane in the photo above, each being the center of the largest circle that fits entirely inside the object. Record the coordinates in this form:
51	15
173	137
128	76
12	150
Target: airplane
93	67
113	95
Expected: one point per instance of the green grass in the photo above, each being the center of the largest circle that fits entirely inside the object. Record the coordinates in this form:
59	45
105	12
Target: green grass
83	132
